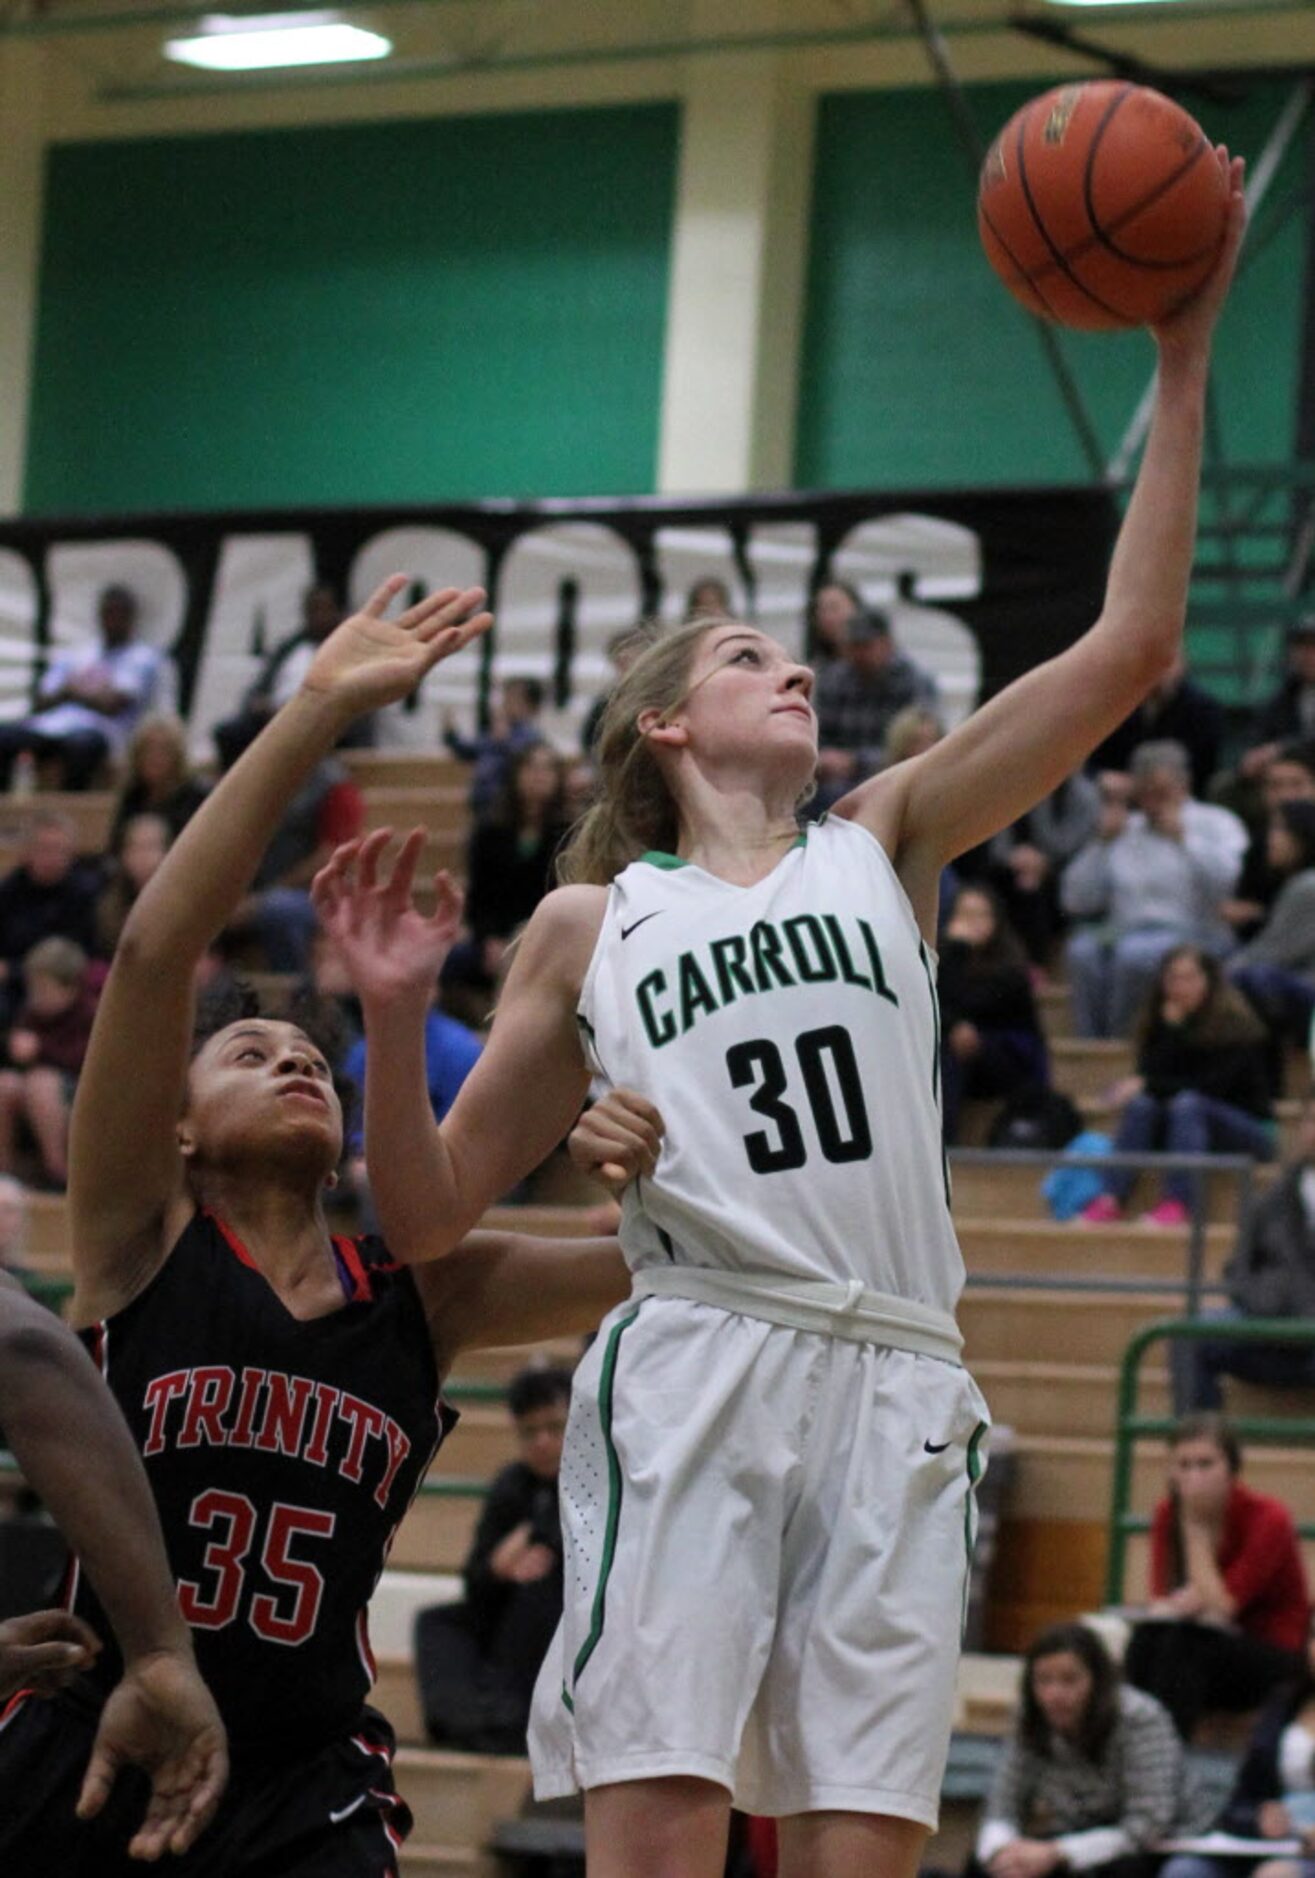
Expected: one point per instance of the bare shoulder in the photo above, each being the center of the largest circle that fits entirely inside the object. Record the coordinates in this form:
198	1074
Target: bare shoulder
881	806
563	931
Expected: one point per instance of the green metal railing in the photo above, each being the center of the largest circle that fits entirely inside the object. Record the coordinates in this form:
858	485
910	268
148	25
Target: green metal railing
1131	1427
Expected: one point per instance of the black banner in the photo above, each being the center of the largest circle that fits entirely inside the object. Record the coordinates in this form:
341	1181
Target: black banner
980	586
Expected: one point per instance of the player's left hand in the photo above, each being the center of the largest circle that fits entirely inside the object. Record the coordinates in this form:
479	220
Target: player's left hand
1190	327
618	1139
163	1719
371	660
389	945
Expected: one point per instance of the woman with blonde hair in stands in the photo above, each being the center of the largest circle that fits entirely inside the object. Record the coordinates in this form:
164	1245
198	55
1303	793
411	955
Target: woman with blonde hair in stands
767	1484
158	778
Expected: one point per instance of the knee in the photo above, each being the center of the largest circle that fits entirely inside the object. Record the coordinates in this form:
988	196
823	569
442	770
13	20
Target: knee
1188	1104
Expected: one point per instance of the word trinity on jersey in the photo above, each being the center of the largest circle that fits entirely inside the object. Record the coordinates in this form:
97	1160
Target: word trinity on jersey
276	1414
810	949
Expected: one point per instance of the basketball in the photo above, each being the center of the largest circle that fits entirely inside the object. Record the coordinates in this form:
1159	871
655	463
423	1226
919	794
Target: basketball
1101	205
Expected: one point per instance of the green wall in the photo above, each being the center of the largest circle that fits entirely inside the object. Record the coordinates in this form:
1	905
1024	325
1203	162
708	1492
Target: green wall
416	311
919	369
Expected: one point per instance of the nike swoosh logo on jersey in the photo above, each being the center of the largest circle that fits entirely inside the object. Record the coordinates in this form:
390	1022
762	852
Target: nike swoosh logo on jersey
934	1447
636	924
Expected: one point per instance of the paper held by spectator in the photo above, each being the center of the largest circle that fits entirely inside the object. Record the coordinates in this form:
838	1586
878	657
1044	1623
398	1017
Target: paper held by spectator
1229	1845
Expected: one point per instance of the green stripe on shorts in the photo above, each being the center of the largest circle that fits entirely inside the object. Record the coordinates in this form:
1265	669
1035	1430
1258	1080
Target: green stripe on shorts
976	1468
606	1387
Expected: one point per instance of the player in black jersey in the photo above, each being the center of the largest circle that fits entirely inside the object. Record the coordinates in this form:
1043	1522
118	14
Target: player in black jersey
283	1386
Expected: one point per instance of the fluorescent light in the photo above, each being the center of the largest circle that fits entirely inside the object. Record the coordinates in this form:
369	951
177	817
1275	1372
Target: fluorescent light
1113	3
255	42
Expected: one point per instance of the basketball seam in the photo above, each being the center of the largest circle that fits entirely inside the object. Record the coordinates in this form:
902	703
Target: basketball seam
1059	260
1102	235
1024	278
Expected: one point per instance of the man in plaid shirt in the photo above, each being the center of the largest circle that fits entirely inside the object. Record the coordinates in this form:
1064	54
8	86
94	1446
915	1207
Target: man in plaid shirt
856	696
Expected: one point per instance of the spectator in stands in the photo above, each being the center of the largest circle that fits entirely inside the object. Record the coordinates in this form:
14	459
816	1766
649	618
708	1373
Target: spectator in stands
1154	877
912	731
143	844
158	777
327	810
623	648
826	623
1229	1604
1273	1796
1201	1086
90	698
1025	863
1288	777
1093	1775
1290	714
1276	969
49	892
1179	710
991	1035
856	697
477	1661
281	674
708	598
1270	1274
509	866
45	1050
514	726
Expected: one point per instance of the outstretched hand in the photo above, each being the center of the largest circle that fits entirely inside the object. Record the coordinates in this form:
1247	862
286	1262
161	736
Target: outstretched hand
371	660
163	1719
617	1140
390	946
1189	328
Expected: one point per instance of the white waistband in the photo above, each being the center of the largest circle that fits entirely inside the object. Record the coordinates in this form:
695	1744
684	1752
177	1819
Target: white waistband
836	1309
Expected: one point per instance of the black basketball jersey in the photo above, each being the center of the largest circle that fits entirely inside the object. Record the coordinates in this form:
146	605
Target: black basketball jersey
282	1456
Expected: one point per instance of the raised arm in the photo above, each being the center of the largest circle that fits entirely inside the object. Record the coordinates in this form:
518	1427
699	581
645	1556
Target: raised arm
431	1184
124	1163
1023	742
75	1449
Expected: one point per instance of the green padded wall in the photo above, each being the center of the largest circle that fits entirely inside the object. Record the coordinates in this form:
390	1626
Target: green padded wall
918	369
427	310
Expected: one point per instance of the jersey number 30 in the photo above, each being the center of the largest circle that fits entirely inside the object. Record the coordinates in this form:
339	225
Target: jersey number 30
285	1614
835	1096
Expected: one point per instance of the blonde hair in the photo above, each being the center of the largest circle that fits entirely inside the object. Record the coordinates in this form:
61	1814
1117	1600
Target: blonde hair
905	732
170	730
635	810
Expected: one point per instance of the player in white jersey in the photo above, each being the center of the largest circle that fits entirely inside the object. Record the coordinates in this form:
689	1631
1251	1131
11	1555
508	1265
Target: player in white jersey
766	1489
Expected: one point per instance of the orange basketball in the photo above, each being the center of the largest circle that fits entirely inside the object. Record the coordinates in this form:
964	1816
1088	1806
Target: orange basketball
1102	205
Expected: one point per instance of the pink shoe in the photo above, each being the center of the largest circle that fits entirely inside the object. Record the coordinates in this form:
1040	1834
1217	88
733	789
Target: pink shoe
1167	1213
1104	1210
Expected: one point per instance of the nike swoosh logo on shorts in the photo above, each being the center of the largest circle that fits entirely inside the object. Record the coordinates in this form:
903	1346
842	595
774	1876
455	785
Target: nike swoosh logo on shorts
636	924
345	1812
934	1447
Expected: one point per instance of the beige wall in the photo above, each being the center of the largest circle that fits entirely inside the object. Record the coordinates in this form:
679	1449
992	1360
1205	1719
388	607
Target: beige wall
740	240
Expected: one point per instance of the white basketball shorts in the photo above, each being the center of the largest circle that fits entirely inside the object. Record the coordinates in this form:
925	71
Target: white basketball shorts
768	1533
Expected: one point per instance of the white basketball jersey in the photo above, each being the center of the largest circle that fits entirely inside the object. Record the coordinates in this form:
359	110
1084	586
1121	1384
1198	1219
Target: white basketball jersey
789	1035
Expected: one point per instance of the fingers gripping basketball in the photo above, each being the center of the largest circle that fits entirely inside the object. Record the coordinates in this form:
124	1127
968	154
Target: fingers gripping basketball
1102	205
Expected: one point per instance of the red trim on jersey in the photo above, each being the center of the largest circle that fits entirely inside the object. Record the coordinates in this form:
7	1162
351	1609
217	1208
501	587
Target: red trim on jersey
364	1743
351	1258
235	1245
12	1706
363	1649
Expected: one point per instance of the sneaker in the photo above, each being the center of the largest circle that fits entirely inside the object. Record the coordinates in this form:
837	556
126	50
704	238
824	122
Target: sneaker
1167	1213
1102	1211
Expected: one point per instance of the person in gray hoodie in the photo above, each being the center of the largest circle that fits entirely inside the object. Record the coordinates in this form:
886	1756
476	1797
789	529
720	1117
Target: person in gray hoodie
1153	877
1271	1274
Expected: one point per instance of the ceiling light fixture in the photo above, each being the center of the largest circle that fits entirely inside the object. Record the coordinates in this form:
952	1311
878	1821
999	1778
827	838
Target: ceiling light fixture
256	42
